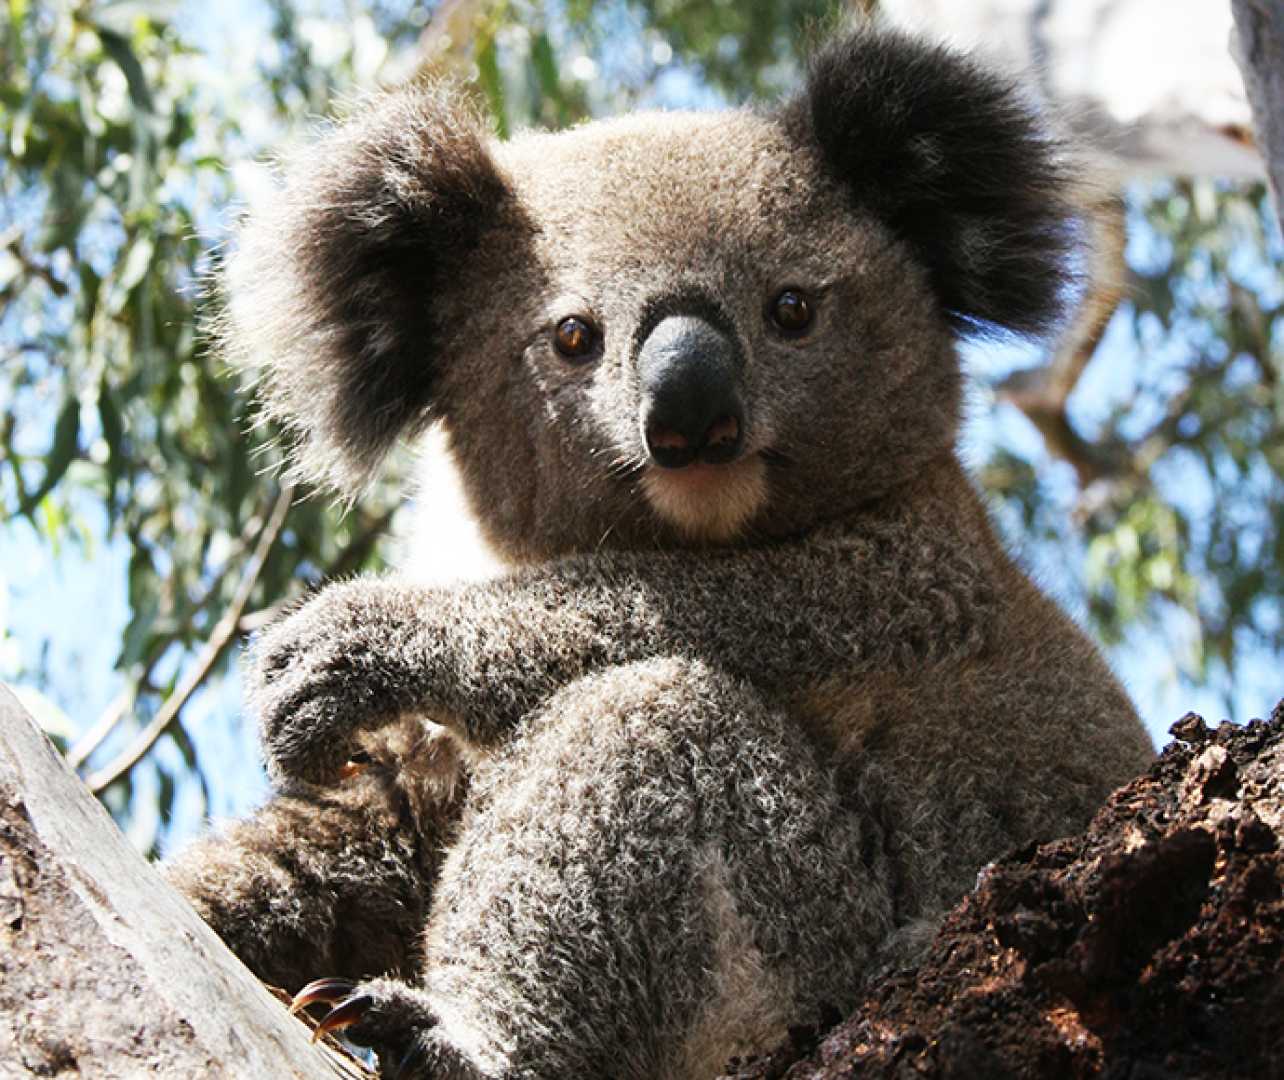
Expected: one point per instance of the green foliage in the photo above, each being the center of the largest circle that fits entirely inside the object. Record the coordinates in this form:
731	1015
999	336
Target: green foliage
111	395
747	49
118	422
1186	526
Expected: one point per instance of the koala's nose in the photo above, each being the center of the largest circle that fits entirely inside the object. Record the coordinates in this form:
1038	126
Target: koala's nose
689	374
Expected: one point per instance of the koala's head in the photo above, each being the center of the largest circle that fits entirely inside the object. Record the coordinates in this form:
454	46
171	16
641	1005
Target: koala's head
665	329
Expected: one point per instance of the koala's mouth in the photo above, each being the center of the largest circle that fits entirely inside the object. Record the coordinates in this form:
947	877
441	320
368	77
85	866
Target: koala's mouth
708	502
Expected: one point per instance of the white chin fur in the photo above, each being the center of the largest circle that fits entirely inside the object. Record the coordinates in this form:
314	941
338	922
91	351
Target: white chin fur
708	502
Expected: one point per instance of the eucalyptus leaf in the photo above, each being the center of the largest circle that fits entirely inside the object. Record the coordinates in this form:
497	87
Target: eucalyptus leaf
117	46
124	141
62	453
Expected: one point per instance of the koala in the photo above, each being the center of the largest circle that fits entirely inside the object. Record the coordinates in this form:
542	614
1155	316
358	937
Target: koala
759	689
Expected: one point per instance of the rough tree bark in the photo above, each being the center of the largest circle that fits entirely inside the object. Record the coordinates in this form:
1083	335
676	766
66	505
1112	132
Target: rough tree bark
105	971
1259	51
1150	946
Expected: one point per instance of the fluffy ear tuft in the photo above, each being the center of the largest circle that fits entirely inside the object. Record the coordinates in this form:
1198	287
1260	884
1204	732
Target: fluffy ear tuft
331	285
956	162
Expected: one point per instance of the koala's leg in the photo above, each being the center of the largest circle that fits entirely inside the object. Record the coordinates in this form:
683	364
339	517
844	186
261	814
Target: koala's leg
658	874
334	879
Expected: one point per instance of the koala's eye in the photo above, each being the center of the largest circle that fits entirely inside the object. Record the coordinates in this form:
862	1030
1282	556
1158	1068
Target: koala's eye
791	312
576	338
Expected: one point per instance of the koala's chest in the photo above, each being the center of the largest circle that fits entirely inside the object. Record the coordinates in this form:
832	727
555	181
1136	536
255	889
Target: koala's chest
845	717
909	723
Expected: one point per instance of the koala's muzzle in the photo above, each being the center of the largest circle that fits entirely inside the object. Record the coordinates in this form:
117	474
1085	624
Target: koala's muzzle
689	372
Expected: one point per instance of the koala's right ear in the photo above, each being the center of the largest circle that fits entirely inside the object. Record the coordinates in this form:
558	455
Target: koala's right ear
331	285
956	162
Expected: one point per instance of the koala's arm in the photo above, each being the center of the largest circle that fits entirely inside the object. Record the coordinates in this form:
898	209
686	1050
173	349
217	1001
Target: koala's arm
479	658
335	879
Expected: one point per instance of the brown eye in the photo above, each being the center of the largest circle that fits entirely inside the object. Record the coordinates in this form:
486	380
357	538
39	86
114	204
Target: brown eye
791	311
575	338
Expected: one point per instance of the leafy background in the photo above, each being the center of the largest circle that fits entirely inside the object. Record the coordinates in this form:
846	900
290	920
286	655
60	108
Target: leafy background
144	531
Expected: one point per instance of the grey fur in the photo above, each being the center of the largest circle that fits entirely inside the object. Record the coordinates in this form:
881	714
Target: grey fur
734	737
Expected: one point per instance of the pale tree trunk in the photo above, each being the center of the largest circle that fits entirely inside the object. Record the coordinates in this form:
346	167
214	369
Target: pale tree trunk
105	971
1259	50
1149	86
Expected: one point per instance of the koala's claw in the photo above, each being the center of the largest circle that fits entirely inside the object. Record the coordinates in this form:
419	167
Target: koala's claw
328	990
349	1011
390	1017
349	1006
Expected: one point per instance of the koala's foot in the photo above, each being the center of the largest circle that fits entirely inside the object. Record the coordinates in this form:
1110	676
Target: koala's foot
393	1019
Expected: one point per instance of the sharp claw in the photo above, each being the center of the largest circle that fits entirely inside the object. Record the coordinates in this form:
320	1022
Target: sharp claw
355	765
327	990
345	1014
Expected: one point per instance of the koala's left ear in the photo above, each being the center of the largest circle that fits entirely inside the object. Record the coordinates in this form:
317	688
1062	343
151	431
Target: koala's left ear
952	158
334	286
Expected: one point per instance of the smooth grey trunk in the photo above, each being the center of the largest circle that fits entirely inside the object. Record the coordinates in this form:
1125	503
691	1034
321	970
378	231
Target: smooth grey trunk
105	971
1149	86
1259	51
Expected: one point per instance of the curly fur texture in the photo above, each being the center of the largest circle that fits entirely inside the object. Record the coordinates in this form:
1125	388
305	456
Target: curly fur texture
385	208
764	615
735	734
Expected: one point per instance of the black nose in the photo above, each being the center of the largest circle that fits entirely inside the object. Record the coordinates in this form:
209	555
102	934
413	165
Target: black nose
689	373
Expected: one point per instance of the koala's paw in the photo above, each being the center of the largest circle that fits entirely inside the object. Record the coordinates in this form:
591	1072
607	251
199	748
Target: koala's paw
339	663
394	1019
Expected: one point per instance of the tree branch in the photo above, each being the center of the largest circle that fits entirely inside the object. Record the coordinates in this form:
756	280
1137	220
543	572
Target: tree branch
445	42
119	708
10	241
92	738
349	559
1043	393
223	634
1259	51
105	969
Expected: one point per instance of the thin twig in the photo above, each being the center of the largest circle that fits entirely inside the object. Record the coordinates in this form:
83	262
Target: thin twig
349	560
119	708
90	739
87	744
11	242
222	636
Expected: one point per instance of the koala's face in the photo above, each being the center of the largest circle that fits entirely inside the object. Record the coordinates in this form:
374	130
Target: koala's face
694	339
667	329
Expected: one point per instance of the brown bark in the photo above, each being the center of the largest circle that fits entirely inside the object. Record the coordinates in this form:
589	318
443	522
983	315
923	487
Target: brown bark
1151	945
